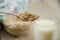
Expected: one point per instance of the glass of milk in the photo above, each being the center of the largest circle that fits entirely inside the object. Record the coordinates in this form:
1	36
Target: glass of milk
44	29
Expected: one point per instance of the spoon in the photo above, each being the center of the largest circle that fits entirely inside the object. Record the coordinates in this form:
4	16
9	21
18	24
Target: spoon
10	14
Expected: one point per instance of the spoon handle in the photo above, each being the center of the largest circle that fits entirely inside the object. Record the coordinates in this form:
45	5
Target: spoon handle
10	14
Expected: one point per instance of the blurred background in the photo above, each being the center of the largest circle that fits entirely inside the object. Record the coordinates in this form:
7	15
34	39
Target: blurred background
47	9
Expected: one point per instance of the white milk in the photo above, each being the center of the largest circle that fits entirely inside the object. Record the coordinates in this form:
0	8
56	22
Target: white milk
44	29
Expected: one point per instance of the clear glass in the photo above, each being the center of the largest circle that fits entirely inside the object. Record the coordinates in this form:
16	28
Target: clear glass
45	30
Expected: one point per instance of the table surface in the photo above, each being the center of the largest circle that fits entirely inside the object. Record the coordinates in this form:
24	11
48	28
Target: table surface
6	36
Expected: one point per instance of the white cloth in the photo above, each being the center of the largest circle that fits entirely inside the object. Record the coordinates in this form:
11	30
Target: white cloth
15	6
